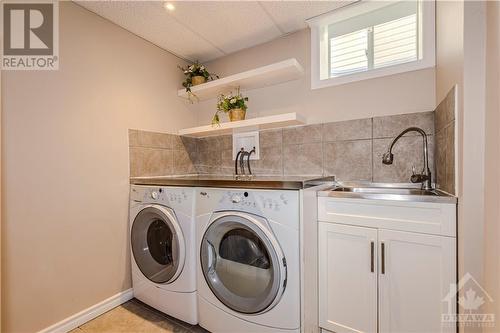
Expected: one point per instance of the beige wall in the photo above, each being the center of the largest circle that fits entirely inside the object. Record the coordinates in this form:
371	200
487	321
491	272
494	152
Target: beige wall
449	47
65	166
492	153
402	93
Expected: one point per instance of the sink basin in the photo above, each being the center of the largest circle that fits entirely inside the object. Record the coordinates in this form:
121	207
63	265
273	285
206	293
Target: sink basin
386	191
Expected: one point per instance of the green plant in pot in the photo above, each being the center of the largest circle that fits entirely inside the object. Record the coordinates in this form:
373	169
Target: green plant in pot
233	105
195	74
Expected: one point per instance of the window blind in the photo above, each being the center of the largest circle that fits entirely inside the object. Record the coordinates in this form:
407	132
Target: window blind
395	42
348	53
384	37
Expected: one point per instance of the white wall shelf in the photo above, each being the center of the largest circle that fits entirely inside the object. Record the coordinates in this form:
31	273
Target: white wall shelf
283	71
274	121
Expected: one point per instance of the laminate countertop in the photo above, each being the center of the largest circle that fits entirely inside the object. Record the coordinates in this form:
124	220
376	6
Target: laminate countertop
258	182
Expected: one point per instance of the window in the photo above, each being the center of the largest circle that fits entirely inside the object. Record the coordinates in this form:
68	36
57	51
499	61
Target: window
370	39
348	53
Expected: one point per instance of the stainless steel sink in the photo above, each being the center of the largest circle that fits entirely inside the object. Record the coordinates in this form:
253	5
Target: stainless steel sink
386	191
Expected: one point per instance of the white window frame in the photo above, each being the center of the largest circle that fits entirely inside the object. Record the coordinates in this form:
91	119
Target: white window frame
318	24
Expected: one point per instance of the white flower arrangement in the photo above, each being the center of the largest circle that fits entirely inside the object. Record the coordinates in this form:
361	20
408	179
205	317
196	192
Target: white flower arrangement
229	102
193	70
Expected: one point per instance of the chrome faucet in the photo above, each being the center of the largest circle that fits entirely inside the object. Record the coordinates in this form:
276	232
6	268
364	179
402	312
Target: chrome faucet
425	177
240	158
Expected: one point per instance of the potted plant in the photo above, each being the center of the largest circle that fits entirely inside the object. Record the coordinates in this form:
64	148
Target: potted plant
195	74
234	105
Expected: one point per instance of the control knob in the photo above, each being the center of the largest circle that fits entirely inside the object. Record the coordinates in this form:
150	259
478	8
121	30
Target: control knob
236	199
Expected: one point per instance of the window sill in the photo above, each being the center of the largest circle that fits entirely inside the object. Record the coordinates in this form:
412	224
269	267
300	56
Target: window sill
372	74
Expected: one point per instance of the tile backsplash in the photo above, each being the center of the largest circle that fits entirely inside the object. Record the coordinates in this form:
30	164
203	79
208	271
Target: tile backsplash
351	150
160	154
445	143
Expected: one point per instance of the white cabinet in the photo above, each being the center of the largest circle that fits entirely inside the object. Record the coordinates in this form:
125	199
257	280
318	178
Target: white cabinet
415	276
401	289
424	217
347	278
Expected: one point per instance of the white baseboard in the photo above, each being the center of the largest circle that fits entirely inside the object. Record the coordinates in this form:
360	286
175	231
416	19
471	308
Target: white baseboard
90	313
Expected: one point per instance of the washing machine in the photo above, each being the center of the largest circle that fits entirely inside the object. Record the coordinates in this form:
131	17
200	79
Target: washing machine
248	272
162	238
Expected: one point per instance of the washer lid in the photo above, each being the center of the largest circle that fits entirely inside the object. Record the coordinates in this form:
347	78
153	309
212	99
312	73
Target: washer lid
243	263
158	244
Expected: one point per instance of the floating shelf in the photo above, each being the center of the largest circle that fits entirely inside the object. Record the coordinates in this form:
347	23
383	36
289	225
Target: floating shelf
275	121
269	75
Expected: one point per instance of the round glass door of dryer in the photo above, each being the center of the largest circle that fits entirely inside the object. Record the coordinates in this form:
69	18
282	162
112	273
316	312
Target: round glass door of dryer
158	244
243	264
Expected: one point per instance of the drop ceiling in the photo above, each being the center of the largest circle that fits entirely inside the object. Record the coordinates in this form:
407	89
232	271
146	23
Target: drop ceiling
206	30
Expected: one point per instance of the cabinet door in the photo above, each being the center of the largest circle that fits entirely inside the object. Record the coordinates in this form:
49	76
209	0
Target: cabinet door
347	278
415	275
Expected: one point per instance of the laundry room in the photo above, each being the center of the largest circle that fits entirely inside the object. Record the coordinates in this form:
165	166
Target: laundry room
250	166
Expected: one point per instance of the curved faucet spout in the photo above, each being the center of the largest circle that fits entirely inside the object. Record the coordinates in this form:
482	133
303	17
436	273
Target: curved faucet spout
236	161
425	177
248	161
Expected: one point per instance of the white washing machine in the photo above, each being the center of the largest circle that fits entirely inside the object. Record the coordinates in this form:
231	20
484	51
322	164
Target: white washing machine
162	237
248	272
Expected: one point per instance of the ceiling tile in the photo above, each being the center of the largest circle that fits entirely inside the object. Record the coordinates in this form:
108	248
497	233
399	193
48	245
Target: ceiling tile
149	20
206	30
229	25
290	16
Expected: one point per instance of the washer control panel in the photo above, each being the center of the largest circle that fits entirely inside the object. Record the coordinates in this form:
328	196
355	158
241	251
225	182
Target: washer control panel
158	194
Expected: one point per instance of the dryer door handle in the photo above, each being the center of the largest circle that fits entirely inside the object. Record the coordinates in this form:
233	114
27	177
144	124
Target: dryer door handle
212	257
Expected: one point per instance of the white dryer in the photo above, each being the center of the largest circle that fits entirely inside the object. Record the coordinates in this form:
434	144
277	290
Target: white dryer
248	273
162	237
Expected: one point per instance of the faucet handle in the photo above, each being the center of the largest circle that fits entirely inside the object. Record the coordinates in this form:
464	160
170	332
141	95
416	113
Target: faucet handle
418	177
413	170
